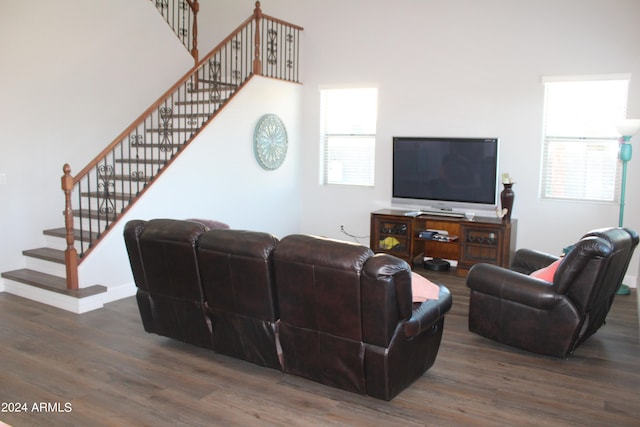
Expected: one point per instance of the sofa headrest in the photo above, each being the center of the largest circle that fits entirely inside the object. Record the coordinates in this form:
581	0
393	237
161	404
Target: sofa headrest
172	230
574	263
338	254
210	223
252	244
616	236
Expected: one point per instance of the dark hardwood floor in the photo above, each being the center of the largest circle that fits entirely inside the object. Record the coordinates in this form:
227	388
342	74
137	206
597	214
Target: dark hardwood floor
102	369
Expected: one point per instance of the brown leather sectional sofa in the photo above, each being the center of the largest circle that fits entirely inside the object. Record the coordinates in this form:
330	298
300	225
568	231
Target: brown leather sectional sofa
330	311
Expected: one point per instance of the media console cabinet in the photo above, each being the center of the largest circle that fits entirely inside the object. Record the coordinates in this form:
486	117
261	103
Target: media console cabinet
484	239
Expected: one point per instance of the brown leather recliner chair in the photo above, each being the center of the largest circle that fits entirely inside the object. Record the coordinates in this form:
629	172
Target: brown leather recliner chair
237	279
163	257
551	317
347	319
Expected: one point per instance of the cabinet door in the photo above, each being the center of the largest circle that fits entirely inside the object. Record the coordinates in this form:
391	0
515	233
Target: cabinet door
481	244
391	235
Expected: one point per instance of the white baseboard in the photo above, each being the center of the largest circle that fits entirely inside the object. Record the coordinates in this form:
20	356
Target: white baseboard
630	281
115	293
54	299
65	302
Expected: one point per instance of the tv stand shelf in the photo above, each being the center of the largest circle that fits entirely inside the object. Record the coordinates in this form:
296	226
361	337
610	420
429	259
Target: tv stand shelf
438	213
484	239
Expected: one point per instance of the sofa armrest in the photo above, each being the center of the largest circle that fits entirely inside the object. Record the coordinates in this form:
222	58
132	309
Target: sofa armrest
527	261
511	285
428	313
392	277
131	232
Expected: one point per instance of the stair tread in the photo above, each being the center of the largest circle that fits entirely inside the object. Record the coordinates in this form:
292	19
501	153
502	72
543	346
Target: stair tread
161	130
158	145
94	214
111	196
77	234
200	102
212	90
142	178
189	115
143	161
217	82
51	283
47	254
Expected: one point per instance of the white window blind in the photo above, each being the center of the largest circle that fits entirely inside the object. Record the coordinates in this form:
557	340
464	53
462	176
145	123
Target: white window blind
580	146
348	118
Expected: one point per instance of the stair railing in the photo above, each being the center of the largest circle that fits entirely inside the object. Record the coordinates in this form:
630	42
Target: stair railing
107	187
182	17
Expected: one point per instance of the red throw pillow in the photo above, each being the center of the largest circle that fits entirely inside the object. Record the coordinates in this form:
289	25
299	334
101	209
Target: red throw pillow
423	288
547	273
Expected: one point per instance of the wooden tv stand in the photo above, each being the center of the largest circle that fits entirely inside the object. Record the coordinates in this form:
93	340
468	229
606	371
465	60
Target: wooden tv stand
485	239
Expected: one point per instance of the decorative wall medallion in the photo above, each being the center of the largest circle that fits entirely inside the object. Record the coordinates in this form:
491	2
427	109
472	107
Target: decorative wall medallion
270	142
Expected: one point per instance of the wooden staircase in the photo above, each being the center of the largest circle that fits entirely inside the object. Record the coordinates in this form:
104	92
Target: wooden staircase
106	188
43	279
45	266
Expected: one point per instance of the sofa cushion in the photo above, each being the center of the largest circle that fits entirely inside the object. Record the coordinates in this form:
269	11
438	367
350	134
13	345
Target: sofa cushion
236	272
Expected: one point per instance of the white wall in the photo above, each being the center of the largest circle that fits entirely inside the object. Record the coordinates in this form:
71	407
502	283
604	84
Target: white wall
74	74
462	68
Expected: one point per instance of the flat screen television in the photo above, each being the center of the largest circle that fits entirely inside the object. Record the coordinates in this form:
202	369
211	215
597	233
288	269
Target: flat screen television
444	174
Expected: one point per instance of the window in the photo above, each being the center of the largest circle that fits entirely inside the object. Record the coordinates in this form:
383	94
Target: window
348	118
580	147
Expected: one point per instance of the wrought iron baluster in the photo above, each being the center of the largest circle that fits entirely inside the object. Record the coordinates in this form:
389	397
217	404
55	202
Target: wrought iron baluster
183	29
236	74
79	219
192	119
215	77
166	129
106	191
272	46
289	63
136	142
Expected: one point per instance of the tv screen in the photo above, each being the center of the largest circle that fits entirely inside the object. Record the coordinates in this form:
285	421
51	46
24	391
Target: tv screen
445	173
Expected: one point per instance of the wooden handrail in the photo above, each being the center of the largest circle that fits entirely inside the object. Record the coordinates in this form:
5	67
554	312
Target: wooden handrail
97	178
280	21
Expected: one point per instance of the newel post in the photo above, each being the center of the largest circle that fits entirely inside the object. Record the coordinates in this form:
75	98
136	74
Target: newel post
257	64
195	7
70	254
